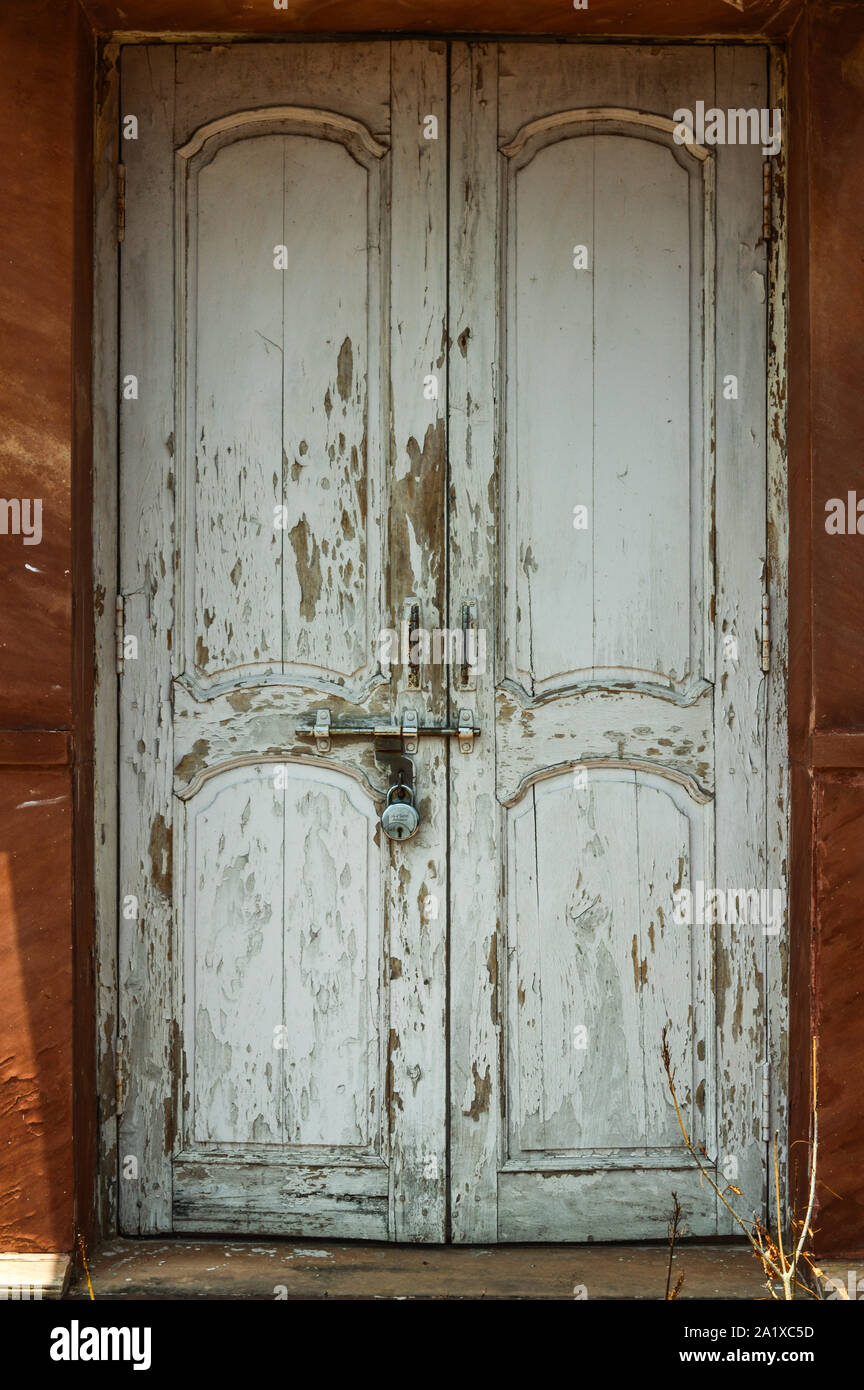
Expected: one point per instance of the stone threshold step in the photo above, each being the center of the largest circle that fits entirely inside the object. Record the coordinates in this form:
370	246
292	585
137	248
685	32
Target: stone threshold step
27	1277
264	1270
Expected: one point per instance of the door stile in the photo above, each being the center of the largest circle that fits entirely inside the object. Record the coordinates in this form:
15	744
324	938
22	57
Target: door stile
417	952
740	558
477	1098
148	1037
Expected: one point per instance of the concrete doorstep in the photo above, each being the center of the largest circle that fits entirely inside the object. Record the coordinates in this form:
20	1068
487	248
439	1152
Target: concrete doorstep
26	1277
272	1270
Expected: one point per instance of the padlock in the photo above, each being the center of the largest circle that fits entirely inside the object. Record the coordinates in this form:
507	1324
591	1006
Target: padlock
400	819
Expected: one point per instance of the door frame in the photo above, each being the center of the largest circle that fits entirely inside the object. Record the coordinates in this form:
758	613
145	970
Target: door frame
110	1069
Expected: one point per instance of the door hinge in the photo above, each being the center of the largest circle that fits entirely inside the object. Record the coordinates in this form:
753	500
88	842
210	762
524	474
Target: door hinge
119	1078
766	1102
766	633
119	626
767	230
121	201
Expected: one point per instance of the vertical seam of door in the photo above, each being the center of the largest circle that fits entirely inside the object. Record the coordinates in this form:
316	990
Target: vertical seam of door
707	292
448	764
286	926
387	612
283	279
540	1000
639	996
495	619
593	521
766	681
176	986
118	867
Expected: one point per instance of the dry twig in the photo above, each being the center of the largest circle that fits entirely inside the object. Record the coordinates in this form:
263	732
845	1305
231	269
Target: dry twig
781	1265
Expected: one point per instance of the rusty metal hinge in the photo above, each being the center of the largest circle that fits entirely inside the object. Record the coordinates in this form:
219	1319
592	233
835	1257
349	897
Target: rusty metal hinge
766	1102
121	201
119	628
766	633
767	229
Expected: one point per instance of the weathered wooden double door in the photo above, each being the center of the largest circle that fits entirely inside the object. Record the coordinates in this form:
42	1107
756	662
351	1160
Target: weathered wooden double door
440	335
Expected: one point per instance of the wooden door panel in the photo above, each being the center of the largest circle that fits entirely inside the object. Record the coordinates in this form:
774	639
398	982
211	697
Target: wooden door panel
283	983
649	462
597	967
230	379
281	553
588	425
598	404
232	959
593	725
535	1204
629	761
283	918
348	1201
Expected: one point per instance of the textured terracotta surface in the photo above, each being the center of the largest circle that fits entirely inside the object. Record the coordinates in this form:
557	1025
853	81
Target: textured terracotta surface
36	1054
826	424
36	300
44	370
652	18
840	997
837	356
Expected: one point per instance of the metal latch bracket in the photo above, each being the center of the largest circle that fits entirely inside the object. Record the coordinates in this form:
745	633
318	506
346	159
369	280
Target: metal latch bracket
322	731
410	726
465	730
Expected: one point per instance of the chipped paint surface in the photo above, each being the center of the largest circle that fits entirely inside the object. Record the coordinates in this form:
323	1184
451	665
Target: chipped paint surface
629	750
276	904
282	977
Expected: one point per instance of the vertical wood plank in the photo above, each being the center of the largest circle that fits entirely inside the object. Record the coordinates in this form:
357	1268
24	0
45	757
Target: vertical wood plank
476	949
548	445
331	920
146	1028
643	491
590	952
328	403
232	955
418	350
777	782
524	1077
230	552
740	574
674	965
